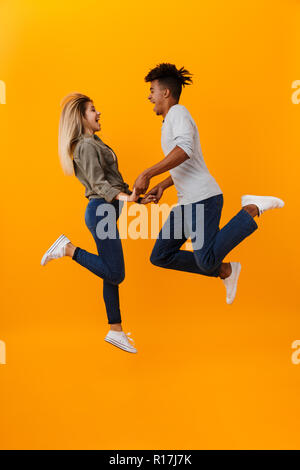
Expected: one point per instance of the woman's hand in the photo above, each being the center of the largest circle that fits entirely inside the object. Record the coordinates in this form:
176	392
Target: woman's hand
133	196
126	197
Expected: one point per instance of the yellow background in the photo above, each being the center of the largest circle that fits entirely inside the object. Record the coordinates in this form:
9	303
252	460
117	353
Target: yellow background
207	375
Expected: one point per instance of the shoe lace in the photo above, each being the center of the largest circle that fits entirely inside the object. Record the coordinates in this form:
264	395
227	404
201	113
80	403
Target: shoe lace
128	336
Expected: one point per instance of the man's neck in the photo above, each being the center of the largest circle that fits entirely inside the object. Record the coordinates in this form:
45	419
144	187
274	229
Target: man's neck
167	109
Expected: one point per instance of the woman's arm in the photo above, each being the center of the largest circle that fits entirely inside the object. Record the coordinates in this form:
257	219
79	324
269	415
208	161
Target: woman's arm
127	197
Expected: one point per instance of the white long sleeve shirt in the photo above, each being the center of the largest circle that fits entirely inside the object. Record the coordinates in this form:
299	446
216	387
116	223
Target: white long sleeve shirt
192	179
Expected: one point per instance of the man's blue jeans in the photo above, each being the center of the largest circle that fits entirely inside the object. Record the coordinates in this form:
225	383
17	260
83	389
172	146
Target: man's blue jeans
109	263
217	243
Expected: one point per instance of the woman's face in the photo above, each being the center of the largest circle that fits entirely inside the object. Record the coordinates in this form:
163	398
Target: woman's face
91	119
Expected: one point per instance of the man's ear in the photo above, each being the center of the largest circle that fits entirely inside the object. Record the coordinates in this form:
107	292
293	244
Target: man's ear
167	93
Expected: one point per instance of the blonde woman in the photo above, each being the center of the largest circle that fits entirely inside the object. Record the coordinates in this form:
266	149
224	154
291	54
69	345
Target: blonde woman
95	164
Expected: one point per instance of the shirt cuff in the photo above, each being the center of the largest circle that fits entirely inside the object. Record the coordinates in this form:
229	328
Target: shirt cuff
110	194
188	150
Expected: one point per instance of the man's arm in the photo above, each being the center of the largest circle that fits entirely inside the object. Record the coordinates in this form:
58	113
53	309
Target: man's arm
173	159
166	183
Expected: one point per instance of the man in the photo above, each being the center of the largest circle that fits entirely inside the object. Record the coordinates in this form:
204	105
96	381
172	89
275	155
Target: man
195	187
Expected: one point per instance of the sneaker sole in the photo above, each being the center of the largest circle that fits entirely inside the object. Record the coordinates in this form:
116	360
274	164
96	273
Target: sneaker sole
52	248
237	274
119	345
246	197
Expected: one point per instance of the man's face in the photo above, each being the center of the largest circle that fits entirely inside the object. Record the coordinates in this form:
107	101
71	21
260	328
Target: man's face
157	96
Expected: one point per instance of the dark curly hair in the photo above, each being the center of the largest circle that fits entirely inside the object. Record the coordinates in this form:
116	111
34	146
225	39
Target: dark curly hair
170	77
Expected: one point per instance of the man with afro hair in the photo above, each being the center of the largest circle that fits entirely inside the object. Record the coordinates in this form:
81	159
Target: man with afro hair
200	199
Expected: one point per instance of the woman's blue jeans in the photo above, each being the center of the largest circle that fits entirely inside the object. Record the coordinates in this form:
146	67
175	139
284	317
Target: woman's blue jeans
217	243
109	263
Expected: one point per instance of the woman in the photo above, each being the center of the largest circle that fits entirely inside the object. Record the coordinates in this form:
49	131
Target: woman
94	163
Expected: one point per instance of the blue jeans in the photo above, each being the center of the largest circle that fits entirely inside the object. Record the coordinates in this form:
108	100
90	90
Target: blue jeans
109	263
217	243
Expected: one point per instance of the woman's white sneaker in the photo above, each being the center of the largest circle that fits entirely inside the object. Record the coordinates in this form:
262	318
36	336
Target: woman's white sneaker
121	340
263	203
231	282
57	250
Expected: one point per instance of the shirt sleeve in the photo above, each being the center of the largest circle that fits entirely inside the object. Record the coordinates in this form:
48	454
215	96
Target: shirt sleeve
183	132
90	164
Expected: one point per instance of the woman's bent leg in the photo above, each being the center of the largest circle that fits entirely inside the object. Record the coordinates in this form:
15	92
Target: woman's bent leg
99	266
108	264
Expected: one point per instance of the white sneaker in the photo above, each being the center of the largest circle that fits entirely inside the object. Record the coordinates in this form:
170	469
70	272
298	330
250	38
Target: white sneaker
263	203
120	339
231	282
57	250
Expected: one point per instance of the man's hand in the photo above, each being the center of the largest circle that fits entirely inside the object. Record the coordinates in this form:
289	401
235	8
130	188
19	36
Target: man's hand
147	199
141	184
156	192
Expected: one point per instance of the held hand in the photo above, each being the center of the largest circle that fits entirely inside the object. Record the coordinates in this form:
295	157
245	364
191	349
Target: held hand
147	199
133	196
157	192
141	184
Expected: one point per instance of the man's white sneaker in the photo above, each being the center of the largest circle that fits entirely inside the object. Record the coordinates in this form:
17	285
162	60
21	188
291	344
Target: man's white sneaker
263	203
231	282
120	339
57	250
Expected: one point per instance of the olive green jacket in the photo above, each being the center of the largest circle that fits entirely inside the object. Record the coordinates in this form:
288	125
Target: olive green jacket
96	167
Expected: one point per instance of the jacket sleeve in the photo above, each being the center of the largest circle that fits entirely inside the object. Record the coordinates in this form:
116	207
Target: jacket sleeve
89	161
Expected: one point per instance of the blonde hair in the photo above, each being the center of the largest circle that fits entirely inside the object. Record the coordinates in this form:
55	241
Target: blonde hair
70	128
